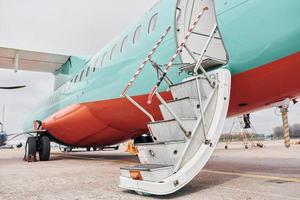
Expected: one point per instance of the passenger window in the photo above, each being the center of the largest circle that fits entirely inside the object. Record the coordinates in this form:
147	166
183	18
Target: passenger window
87	72
113	52
137	34
75	80
103	58
95	63
81	75
124	44
152	23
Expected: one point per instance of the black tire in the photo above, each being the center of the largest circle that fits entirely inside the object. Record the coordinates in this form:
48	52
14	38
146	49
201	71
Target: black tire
30	148
88	148
44	148
95	148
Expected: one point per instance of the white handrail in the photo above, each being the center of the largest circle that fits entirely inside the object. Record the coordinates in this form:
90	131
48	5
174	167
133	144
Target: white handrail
140	107
187	133
178	51
198	65
193	133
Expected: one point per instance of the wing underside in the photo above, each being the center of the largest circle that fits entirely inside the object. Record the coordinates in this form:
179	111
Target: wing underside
30	60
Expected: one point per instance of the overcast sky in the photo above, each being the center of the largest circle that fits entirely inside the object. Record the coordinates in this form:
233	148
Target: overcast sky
72	27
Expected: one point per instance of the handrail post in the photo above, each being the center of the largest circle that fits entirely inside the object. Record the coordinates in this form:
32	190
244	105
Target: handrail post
140	107
198	65
187	133
178	51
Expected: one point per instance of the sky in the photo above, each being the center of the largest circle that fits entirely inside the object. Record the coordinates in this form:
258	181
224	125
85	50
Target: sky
73	27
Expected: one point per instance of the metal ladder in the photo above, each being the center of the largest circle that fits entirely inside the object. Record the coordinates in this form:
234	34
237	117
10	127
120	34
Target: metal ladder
186	138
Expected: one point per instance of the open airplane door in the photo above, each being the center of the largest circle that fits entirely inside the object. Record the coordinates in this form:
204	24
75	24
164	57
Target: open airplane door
179	153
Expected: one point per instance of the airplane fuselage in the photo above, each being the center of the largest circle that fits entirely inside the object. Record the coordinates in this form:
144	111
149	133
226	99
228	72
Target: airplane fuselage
260	46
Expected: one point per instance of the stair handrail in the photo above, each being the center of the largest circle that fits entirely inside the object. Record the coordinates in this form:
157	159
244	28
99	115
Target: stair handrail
198	64
178	51
148	58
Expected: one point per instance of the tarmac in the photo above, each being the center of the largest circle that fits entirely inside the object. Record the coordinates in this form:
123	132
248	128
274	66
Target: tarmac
272	172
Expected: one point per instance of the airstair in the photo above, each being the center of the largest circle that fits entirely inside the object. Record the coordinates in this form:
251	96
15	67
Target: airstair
186	138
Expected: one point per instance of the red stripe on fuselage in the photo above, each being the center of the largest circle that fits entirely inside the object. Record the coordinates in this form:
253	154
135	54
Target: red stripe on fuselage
112	121
262	86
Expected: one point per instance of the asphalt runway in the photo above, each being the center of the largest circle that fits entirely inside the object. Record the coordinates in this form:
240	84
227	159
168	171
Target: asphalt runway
272	172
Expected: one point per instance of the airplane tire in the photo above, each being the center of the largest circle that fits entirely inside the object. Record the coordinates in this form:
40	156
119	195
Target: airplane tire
44	148
88	148
30	148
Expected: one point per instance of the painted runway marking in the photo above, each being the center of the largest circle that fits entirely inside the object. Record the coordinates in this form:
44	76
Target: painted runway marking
248	175
91	158
257	176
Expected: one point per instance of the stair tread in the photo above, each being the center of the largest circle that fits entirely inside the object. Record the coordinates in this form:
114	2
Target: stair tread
186	81
170	120
147	167
181	99
156	143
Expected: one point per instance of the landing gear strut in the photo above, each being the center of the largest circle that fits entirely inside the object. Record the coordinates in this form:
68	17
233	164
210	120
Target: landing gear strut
39	144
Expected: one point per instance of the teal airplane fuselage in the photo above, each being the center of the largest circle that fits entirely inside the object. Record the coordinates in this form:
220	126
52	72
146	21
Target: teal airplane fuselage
262	53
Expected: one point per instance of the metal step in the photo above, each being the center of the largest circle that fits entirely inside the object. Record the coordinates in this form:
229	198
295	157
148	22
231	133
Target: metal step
163	153
183	108
147	172
169	130
188	88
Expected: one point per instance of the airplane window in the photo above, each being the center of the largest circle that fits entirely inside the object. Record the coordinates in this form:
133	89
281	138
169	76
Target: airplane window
87	72
81	75
113	52
95	63
124	44
137	34
75	80
103	58
152	23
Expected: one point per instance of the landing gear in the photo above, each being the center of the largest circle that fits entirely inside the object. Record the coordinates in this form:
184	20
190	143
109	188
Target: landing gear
88	148
44	148
30	150
39	144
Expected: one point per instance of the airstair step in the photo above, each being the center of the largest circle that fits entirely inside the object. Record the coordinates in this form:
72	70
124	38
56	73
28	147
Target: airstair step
188	88
187	157
169	130
147	172
161	153
183	108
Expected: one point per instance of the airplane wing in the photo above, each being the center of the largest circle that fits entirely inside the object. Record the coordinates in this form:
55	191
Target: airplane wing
30	60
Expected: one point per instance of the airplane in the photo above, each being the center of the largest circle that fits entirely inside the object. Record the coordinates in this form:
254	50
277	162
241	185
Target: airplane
4	137
174	76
